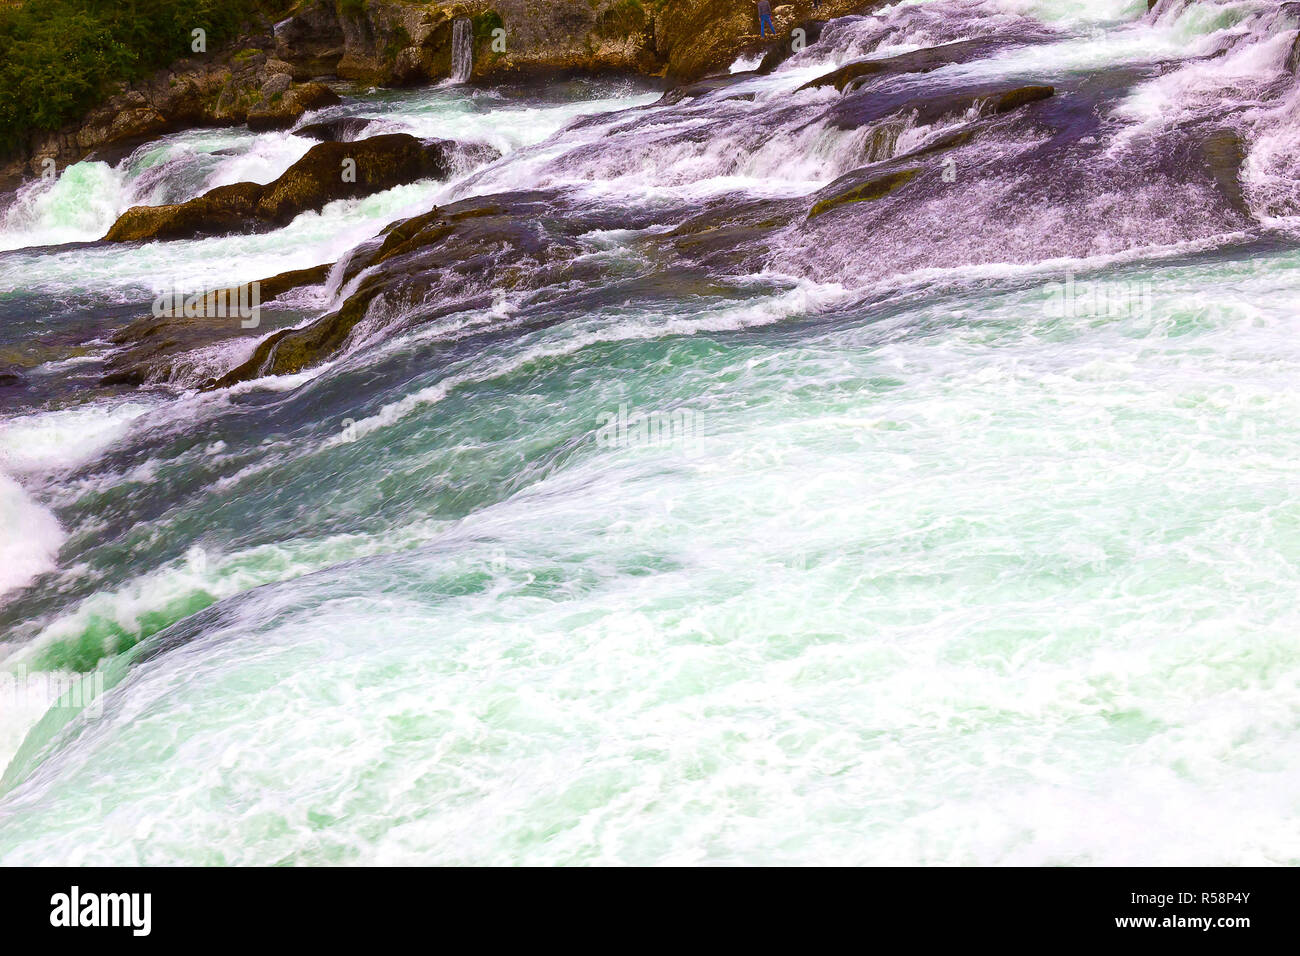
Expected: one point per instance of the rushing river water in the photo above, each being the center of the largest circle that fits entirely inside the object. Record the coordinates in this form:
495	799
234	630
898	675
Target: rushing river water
924	562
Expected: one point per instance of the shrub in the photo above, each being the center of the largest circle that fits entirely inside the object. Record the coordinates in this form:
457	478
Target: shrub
59	58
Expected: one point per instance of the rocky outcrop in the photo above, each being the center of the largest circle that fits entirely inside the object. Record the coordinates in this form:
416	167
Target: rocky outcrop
240	84
915	61
264	78
328	172
988	99
698	37
397	42
285	104
394	42
220	211
151	349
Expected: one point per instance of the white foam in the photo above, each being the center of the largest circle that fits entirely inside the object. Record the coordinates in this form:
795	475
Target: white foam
29	537
79	205
48	442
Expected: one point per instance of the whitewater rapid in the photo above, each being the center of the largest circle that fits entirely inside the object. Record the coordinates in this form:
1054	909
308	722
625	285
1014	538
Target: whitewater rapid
925	570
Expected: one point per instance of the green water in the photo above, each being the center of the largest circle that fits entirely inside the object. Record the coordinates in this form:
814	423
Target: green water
947	575
935	587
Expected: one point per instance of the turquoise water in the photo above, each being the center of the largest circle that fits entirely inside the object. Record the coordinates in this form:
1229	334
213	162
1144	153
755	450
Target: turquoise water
948	577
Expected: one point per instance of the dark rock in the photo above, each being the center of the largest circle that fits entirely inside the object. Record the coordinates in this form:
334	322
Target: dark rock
812	32
149	347
728	238
282	110
702	87
381	162
862	191
278	285
1222	152
220	211
343	130
915	61
991	99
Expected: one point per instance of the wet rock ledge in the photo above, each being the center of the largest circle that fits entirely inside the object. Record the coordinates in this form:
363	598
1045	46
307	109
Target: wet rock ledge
320	177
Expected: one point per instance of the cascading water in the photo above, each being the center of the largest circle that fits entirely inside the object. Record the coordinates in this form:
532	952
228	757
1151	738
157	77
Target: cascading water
969	514
462	49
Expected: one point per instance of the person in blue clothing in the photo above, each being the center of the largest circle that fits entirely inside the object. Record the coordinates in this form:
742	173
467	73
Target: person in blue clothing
765	18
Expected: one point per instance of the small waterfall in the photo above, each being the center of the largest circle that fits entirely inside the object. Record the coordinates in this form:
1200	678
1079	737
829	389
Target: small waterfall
462	49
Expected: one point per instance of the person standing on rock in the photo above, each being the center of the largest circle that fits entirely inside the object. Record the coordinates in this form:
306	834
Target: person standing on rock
765	17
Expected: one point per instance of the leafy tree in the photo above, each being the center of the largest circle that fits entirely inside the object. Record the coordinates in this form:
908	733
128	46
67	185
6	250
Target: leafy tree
59	58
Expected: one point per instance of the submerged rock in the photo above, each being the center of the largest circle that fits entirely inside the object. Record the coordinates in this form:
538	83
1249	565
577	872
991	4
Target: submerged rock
873	187
153	348
728	238
915	61
989	99
702	87
343	130
461	256
320	177
1223	152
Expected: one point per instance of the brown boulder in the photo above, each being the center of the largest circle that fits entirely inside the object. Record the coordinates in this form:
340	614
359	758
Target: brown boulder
154	348
380	162
282	110
222	210
328	172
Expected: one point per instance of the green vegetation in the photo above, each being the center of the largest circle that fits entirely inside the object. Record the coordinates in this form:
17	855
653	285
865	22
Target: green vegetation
626	18
485	23
399	41
59	58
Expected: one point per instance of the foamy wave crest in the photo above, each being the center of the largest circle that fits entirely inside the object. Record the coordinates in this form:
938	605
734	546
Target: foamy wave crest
29	537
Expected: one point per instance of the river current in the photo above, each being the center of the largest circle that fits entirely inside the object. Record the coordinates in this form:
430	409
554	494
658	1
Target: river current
967	534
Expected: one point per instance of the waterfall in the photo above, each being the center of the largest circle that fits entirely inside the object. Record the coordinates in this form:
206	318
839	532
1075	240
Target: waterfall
462	50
